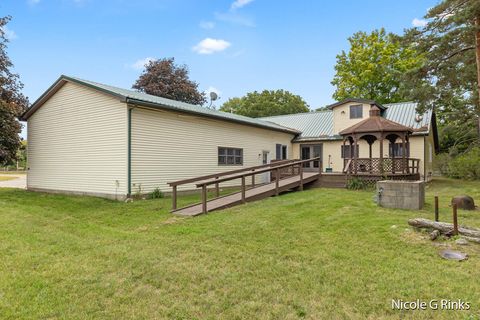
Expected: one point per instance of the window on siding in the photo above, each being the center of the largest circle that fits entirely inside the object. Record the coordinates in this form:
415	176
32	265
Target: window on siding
347	151
397	150
230	156
356	111
280	152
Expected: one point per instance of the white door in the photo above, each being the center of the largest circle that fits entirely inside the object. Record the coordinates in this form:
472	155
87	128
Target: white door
265	177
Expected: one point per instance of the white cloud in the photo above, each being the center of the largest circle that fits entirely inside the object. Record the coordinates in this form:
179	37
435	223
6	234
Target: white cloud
207	25
235	18
9	34
209	46
140	64
419	22
237	4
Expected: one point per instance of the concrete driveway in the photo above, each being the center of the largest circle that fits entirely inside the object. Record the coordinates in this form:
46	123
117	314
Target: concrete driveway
19	182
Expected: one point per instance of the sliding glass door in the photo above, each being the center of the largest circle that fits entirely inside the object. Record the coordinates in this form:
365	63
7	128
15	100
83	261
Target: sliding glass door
311	151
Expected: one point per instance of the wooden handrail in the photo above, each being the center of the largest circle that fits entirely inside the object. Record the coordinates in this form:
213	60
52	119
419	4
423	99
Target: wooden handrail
251	172
226	173
238	176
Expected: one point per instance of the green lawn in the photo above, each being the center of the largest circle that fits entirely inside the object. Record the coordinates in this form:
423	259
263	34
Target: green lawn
318	254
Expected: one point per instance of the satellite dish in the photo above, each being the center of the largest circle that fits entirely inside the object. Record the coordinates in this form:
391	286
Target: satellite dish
213	96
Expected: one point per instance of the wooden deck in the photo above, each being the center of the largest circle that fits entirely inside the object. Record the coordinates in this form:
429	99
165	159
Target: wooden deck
257	193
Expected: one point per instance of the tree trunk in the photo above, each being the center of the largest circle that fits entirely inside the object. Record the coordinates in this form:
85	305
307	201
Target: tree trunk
443	227
477	54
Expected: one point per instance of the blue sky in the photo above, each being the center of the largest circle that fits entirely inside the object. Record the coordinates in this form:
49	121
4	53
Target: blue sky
234	46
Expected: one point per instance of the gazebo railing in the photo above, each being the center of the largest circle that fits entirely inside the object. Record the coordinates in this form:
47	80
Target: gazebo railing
378	166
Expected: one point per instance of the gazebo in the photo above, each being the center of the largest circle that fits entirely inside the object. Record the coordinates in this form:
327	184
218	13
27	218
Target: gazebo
377	128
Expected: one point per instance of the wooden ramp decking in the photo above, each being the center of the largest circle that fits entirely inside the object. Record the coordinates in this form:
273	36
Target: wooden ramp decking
257	193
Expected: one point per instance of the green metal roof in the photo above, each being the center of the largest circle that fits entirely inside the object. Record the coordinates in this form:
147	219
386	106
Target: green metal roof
152	101
319	125
311	124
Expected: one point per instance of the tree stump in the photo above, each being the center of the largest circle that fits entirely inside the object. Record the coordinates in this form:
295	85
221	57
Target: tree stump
464	202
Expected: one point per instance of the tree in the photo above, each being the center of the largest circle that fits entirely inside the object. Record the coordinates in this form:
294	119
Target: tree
449	78
166	79
373	67
265	104
12	102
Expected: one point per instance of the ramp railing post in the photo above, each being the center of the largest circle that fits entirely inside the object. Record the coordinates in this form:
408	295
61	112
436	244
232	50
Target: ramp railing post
300	169
217	188
436	208
174	198
243	189
253	179
204	198
277	177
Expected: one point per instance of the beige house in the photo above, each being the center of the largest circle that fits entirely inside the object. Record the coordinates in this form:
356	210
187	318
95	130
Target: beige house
94	139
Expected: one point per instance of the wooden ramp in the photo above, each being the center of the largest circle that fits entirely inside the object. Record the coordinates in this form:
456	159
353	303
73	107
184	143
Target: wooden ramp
253	194
286	175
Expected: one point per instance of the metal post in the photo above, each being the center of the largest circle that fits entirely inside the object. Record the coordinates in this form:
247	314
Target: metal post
436	208
204	198
277	177
174	198
455	221
243	189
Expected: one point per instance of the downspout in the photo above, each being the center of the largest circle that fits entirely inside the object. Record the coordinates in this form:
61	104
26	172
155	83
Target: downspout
129	152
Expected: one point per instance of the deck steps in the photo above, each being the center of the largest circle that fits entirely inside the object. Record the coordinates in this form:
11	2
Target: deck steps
332	180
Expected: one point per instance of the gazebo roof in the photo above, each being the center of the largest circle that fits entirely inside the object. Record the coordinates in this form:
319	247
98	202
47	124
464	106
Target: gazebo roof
375	123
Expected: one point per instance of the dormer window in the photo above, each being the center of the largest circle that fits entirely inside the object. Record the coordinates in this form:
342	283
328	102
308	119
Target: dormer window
356	111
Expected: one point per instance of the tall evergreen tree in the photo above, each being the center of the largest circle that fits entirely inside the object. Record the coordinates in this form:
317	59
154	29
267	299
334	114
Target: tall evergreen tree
449	79
12	102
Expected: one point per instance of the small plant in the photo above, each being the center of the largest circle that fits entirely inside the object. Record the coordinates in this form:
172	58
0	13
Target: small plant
138	191
356	184
156	194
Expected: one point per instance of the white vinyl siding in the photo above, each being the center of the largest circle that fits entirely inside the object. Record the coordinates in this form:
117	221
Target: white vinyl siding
77	142
169	146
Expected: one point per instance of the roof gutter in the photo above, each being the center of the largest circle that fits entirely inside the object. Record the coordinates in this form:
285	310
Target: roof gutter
159	106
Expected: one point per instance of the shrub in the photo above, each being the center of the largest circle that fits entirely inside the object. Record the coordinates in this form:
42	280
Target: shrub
466	166
441	163
356	184
156	194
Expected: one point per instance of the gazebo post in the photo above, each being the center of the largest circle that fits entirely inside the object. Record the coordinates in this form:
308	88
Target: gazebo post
344	162
381	153
370	154
404	151
355	146
393	154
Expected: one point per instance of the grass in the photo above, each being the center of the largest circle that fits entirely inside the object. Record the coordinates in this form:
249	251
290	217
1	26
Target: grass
319	254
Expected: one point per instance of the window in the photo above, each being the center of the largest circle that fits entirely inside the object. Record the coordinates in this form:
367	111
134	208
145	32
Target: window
356	111
397	150
230	156
280	152
347	151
